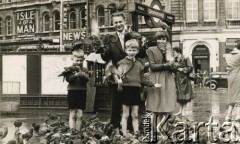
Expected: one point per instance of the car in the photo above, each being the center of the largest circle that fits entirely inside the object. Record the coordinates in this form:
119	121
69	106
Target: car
217	80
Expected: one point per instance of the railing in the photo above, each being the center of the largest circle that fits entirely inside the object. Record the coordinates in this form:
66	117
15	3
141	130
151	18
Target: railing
233	23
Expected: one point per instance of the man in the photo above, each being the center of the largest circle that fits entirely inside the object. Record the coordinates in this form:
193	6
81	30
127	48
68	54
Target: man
115	52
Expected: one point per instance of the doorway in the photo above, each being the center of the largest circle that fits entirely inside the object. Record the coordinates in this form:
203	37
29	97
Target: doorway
200	57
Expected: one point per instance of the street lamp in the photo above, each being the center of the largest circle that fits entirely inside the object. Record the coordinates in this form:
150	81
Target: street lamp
61	27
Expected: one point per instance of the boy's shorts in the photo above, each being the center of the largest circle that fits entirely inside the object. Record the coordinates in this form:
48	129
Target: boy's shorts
131	95
77	99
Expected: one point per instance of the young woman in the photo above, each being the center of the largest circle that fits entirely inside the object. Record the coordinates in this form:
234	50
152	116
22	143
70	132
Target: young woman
183	83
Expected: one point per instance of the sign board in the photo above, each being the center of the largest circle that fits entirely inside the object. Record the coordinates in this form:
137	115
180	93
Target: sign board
151	12
74	35
15	70
52	66
26	23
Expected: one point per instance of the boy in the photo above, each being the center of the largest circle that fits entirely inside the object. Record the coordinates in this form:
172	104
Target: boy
131	72
77	87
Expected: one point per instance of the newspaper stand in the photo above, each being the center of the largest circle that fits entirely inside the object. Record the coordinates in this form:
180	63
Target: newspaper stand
10	97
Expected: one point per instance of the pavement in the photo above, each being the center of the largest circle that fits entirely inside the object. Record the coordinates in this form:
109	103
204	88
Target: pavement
206	103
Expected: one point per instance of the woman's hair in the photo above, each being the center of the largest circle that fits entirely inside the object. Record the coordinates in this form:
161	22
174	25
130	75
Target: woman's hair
161	34
132	43
177	49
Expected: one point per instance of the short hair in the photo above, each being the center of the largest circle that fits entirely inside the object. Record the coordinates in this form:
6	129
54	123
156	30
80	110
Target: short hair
132	43
161	34
78	46
78	53
116	14
177	49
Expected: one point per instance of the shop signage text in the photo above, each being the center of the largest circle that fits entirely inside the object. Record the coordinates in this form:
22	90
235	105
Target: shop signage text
26	22
74	35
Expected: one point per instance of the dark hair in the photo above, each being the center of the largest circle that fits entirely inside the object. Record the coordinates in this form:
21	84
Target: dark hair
116	14
177	49
161	34
78	46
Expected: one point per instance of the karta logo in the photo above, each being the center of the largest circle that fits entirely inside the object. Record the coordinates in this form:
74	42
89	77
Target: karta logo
174	131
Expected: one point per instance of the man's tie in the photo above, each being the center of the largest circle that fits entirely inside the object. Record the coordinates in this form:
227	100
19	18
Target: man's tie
121	37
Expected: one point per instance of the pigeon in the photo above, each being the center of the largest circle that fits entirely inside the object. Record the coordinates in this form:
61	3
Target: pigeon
69	70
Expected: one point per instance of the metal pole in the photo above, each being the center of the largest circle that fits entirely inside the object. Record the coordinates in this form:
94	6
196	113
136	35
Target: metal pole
61	27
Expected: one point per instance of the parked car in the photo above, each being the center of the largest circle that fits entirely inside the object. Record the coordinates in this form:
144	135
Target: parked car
217	80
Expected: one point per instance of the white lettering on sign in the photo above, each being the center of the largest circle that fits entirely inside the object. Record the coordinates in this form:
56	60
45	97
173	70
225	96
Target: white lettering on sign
155	13
26	22
74	35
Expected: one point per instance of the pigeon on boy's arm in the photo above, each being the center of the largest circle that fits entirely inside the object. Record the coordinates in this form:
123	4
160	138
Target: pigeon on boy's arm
69	73
69	70
83	74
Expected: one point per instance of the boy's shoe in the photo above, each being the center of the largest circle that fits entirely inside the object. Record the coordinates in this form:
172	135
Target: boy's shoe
137	134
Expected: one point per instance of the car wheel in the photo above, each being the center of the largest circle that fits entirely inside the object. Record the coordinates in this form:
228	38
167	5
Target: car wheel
213	86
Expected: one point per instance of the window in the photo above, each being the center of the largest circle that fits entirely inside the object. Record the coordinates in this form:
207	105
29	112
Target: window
1	26
192	10
233	10
82	18
100	16
46	22
72	20
56	20
209	10
9	25
110	13
9	0
1	1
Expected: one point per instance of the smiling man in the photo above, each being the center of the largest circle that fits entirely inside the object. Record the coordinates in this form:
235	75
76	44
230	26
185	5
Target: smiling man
115	52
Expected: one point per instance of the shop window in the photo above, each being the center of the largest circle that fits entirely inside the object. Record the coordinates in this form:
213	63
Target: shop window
56	17
1	26
192	10
82	18
46	22
100	16
9	25
72	20
110	13
209	10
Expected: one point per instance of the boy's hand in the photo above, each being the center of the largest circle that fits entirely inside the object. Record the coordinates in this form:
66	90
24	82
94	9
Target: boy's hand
180	69
80	74
157	85
119	88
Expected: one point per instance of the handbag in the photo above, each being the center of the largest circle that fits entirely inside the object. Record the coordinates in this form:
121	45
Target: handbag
192	76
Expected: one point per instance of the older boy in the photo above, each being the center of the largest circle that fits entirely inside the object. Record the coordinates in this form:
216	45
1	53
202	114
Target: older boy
131	72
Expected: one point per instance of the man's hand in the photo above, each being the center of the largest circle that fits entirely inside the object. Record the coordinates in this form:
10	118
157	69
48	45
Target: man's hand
157	85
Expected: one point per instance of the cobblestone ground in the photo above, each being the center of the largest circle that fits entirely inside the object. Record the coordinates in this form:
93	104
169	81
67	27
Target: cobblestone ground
205	104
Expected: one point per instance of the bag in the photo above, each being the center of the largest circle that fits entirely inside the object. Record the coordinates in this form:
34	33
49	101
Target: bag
192	76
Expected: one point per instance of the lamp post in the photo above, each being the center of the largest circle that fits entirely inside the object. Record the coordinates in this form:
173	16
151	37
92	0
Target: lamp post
61	27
